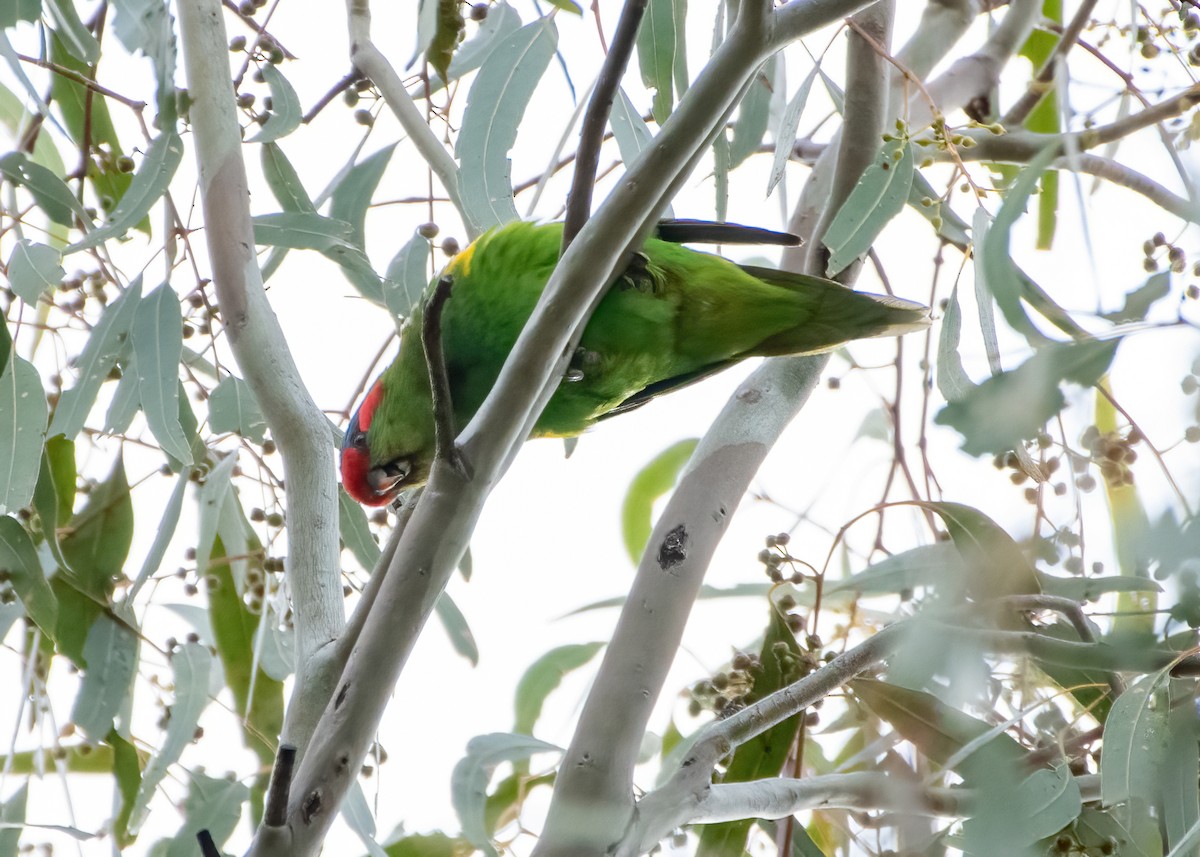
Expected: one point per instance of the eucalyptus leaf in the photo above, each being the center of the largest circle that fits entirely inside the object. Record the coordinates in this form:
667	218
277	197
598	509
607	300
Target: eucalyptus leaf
629	129
502	21
232	407
286	112
48	190
351	196
785	134
34	269
212	804
457	629
753	115
542	677
407	276
72	31
660	48
1135	742
650	483
19	558
99	355
23	416
157	336
111	655
284	181
878	197
495	104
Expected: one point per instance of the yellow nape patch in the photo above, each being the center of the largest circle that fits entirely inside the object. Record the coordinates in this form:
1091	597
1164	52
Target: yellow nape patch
461	263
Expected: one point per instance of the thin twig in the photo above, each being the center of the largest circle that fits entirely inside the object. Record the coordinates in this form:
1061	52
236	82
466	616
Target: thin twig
591	133
83	80
349	79
1040	87
439	378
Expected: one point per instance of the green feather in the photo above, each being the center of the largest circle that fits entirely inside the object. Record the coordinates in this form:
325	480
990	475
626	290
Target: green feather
677	315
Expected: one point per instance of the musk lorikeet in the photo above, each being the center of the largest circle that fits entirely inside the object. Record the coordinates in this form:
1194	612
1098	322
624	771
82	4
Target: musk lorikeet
675	316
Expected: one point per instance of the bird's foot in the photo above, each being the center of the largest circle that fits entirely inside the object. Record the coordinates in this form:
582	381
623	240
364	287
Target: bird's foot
638	275
581	362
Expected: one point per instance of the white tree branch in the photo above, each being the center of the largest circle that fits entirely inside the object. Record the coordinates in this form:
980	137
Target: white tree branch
298	426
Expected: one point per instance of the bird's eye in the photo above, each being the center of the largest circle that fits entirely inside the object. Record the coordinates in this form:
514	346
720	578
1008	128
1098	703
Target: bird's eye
359	441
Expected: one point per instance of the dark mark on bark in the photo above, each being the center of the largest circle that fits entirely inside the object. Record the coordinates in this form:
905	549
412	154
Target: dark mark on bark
673	549
341	697
312	806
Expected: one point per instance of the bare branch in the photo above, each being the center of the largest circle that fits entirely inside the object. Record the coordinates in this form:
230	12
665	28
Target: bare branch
591	134
1040	86
368	59
439	378
300	429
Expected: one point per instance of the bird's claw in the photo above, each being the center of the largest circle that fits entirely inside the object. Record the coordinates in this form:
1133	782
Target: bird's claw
637	274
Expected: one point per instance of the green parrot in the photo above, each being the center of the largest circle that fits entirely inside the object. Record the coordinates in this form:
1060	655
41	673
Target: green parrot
675	316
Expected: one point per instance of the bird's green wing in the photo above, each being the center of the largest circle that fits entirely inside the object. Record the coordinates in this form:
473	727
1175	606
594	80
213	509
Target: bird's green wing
667	385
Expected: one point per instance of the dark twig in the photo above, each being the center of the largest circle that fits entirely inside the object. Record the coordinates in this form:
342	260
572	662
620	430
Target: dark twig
83	80
439	379
348	80
591	133
208	848
1040	87
280	789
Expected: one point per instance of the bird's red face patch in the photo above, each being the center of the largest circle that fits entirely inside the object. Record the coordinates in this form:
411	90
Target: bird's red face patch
356	451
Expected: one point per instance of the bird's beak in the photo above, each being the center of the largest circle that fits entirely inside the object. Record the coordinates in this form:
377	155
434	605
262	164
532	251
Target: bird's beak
388	478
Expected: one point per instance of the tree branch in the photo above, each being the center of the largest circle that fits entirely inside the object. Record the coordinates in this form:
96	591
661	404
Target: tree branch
595	120
369	60
439	378
1040	86
298	426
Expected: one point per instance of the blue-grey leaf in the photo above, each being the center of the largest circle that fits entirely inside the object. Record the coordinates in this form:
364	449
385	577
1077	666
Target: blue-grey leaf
125	402
785	135
19	10
12	812
952	380
305	230
355	532
1135	741
147	187
495	105
750	126
351	197
924	199
191	665
232	407
628	128
212	804
284	181
457	628
214	494
407	276
111	656
660	50
878	197
162	536
502	21
542	677
34	269
99	355
469	782
1138	302
75	36
158	343
48	190
19	557
285	114
143	25
22	433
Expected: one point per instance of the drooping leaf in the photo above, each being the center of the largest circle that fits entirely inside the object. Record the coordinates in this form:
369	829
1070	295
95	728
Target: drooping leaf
99	538
232	407
286	112
1012	406
629	129
19	559
785	134
447	35
213	495
946	221
469	782
147	187
1135	743
457	629
926	565
952	380
125	401
661	48
162	536
542	677
305	230
350	200
48	190
212	804
650	483
33	269
406	278
157	335
753	116
19	10
495	105
1138	302
110	653
1180	774
434	844
99	355
74	35
54	495
12	812
190	667
878	197
23	418
502	21
1046	801
355	533
995	565
284	181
